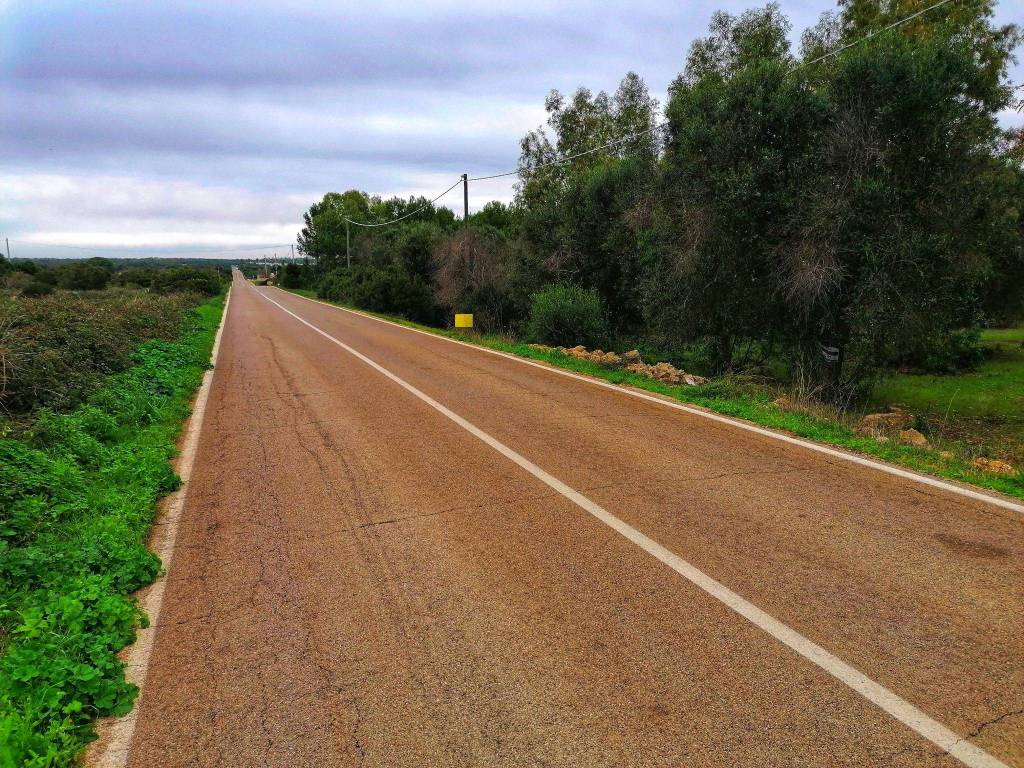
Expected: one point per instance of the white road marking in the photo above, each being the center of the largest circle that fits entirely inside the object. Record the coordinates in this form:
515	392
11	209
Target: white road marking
834	452
899	708
116	735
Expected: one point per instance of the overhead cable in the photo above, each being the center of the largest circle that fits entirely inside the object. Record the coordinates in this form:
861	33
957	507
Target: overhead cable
869	35
407	215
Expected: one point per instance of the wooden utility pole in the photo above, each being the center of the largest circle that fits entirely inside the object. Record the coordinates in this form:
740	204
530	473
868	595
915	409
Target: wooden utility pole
465	198
8	242
348	251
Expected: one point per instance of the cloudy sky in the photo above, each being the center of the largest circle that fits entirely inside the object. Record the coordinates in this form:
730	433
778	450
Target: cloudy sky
137	127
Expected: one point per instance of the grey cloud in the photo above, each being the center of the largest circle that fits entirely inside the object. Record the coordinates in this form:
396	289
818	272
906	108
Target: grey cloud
275	102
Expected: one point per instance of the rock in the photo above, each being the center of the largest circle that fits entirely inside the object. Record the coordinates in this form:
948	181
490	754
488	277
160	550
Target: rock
579	352
632	356
882	439
666	373
610	358
913	437
873	424
995	466
540	347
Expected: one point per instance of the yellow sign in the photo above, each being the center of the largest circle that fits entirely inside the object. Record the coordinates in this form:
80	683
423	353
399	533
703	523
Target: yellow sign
463	321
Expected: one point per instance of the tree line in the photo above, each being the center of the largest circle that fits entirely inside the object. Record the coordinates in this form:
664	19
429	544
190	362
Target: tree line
32	279
830	217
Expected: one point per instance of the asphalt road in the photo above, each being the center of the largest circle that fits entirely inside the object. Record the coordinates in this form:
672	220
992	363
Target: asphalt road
392	553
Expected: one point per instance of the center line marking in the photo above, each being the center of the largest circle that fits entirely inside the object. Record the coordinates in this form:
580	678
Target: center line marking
899	708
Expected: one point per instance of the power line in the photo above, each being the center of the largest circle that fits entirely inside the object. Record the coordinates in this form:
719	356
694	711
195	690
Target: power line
570	158
562	160
657	126
407	215
869	35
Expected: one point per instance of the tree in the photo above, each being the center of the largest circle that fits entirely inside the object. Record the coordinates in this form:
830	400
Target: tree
472	274
584	221
84	276
739	130
322	238
850	203
895	232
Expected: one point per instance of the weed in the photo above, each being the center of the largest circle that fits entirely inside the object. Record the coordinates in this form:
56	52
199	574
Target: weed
77	496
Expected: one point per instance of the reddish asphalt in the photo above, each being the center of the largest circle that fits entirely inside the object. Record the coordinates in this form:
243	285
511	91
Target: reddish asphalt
359	581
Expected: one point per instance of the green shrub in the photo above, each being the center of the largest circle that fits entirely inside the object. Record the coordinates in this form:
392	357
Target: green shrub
389	289
56	349
205	282
565	315
77	496
140	276
945	352
291	276
84	276
35	289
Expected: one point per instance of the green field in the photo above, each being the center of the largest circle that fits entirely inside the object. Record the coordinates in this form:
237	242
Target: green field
983	407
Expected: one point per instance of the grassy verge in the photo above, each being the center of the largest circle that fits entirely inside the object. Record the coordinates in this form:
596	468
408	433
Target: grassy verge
732	397
78	493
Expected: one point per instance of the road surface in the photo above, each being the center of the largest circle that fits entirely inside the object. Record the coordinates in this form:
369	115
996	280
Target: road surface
392	553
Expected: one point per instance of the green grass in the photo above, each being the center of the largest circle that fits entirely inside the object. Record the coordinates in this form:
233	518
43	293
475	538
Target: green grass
984	407
739	399
78	494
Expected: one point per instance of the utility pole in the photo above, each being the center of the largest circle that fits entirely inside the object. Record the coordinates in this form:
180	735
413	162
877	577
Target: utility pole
8	241
465	199
292	246
348	252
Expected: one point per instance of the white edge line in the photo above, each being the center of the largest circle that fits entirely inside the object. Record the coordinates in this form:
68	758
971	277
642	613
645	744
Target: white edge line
116	740
624	389
899	708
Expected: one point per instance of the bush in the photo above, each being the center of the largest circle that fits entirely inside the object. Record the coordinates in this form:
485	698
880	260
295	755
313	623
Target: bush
76	500
291	276
390	290
35	289
55	349
472	275
945	352
565	315
140	276
205	282
16	282
84	276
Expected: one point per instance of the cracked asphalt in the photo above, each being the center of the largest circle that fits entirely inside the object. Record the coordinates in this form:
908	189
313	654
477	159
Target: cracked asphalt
359	582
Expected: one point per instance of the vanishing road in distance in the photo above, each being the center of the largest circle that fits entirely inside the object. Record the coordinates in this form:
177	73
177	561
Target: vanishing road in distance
397	550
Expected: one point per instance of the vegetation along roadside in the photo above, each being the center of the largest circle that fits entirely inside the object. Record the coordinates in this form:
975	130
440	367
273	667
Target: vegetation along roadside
79	484
830	232
756	402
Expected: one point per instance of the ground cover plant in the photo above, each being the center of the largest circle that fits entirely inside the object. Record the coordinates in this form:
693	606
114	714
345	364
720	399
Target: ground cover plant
78	491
